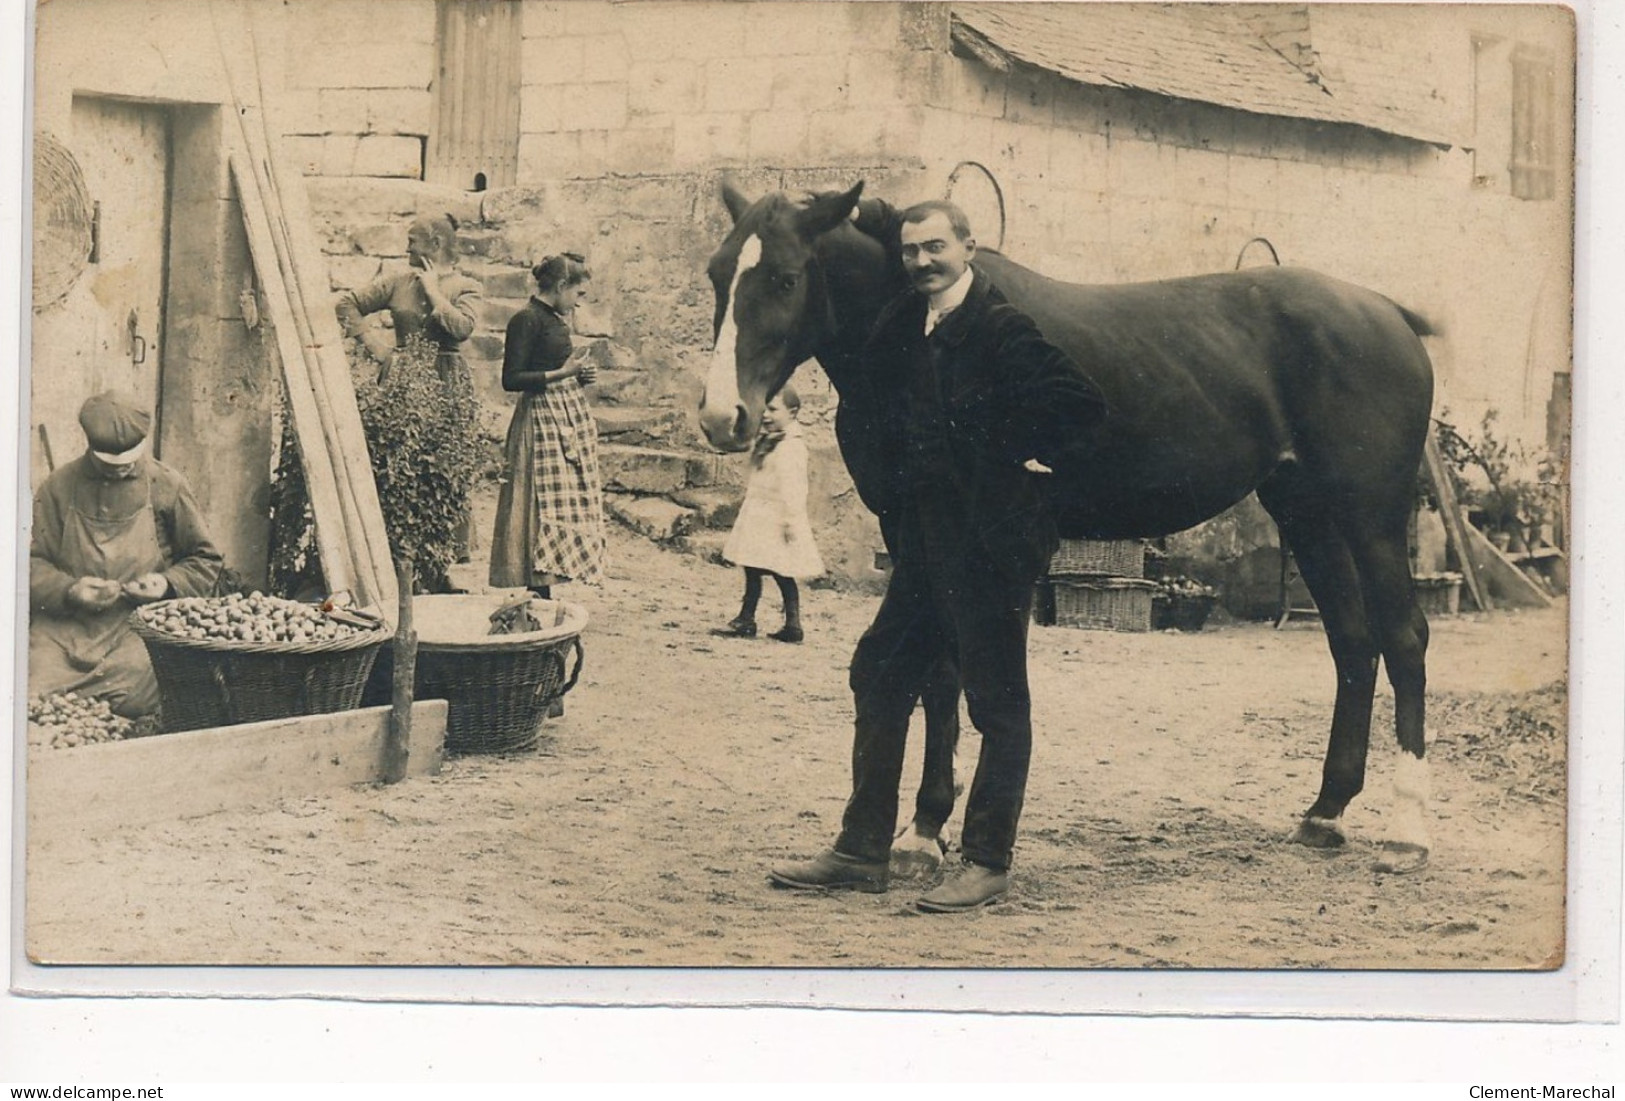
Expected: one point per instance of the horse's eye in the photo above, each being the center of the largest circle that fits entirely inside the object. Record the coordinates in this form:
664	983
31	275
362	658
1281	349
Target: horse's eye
788	280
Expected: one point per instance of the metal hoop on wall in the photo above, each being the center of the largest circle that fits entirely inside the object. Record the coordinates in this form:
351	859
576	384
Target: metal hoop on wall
1242	255
998	192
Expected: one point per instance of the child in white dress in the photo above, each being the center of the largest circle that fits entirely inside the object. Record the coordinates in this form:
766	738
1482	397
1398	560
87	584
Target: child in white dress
772	535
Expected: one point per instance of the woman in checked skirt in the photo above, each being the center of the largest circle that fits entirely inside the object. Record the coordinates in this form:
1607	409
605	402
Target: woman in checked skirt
550	510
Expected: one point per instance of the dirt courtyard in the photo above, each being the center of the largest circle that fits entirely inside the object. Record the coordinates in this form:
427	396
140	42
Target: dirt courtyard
1168	772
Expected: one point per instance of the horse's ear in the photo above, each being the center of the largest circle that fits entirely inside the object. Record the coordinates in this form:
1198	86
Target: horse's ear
734	200
829	210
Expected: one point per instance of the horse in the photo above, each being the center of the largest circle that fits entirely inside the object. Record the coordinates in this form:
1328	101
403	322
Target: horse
1312	392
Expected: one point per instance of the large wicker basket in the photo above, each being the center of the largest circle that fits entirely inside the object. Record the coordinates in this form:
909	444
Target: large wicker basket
213	682
1100	558
1103	603
498	687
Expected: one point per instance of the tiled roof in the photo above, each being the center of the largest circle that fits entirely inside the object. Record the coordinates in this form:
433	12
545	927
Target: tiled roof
1202	52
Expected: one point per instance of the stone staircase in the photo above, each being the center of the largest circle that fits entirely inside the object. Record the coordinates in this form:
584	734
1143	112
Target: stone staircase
660	479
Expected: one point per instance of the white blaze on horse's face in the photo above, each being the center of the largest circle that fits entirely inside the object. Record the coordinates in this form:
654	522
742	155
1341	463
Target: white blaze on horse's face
721	409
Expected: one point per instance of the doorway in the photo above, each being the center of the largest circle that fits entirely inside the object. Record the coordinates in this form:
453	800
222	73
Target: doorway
108	331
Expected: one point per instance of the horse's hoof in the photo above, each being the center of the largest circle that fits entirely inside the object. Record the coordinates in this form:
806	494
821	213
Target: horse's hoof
1319	833
915	857
1401	858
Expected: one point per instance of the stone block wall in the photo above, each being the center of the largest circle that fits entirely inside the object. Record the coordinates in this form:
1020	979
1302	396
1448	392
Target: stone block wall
356	97
661	86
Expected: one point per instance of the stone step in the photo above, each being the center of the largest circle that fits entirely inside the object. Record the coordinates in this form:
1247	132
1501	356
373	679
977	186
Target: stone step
651	517
495	313
642	469
714	507
703	543
478	242
617	387
653	470
636	424
485	346
501	280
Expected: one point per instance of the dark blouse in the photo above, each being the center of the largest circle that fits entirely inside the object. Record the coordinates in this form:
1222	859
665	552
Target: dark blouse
537	341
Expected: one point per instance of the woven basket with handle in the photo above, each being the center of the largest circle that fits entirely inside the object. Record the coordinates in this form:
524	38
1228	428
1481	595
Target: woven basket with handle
498	686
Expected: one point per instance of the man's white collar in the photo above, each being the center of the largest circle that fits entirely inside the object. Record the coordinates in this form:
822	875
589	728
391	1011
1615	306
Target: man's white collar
947	301
950	299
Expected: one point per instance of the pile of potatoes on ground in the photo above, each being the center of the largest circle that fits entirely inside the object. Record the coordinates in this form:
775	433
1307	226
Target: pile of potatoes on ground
64	720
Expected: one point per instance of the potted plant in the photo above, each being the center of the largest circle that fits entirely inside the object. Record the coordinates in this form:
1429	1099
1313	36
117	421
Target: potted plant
1510	492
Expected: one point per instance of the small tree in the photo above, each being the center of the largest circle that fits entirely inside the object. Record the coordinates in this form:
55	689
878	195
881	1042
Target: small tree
424	444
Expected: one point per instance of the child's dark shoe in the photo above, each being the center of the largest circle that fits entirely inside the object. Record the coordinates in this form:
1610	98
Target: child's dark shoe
787	634
736	628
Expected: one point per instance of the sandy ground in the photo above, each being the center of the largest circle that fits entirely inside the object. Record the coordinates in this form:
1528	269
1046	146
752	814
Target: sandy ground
1168	773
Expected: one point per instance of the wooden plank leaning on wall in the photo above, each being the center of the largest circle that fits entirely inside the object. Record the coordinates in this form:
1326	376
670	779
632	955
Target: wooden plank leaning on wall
349	521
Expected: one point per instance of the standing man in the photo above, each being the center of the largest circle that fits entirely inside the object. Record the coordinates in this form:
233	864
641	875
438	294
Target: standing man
973	402
113	529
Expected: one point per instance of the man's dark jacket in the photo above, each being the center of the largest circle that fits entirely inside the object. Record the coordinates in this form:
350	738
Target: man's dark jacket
1002	395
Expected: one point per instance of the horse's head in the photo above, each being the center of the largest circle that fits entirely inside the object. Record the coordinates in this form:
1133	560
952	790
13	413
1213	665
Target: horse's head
772	310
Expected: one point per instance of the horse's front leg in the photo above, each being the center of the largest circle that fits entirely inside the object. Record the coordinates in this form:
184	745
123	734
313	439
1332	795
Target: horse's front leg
919	848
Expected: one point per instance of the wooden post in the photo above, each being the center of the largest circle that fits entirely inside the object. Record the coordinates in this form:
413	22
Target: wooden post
405	677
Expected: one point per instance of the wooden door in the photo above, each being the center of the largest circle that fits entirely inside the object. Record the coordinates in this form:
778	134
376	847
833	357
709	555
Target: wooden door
474	140
108	331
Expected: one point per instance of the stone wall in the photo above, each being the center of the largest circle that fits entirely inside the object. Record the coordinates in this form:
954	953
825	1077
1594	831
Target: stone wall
611	89
630	112
356	96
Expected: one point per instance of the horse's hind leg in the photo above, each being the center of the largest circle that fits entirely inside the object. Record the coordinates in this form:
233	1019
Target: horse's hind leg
919	848
1329	569
1382	552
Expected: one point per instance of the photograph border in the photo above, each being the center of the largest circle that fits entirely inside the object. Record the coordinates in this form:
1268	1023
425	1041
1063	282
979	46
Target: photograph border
1586	988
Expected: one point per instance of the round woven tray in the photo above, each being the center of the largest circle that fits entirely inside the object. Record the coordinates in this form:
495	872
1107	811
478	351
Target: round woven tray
216	682
498	688
62	217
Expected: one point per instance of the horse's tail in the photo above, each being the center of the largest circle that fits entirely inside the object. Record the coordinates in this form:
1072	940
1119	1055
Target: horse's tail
1420	325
